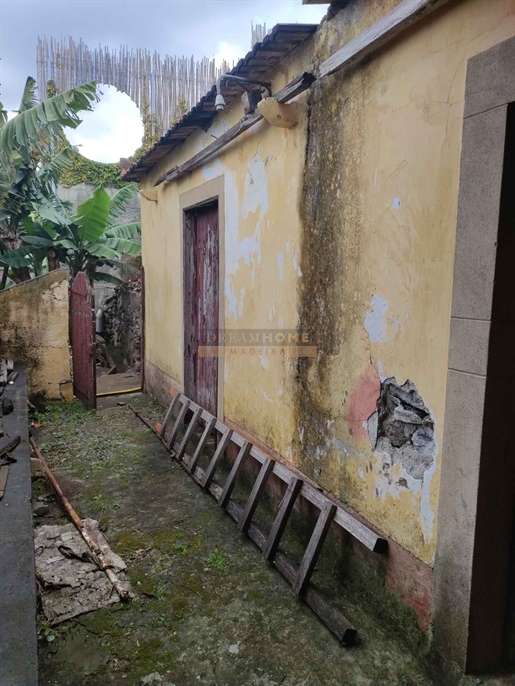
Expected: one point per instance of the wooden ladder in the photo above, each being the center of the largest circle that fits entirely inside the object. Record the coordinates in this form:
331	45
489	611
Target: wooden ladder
330	512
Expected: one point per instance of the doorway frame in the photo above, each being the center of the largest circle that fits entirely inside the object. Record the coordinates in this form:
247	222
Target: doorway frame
474	523
208	192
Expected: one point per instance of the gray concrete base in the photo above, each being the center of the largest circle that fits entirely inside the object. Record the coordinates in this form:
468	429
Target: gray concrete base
18	637
158	384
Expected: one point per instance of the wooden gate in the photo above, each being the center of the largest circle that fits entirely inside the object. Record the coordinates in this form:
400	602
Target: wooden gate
201	304
83	341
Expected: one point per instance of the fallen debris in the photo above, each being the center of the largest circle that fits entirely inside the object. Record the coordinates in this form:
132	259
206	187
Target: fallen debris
98	546
10	446
40	509
155	678
3	372
5	460
67	572
12	377
4	472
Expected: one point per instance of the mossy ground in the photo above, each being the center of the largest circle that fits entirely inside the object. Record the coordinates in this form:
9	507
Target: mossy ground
207	609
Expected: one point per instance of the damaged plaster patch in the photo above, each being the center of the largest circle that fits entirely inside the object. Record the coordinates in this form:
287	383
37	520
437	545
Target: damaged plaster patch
256	187
402	429
296	265
280	264
375	321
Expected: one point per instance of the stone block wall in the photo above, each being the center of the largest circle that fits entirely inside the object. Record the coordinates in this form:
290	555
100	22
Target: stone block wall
122	317
34	323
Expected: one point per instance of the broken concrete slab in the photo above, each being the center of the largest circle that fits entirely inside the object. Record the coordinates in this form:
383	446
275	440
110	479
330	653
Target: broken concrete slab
70	581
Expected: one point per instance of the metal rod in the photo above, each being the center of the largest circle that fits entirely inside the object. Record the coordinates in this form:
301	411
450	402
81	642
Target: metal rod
98	554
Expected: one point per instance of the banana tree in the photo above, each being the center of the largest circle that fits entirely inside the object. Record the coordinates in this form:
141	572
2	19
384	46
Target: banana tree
30	166
85	241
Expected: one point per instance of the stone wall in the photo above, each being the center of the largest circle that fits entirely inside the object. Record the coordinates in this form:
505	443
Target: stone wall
34	325
122	316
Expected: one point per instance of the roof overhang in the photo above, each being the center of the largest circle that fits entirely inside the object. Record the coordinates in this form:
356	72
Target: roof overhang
257	64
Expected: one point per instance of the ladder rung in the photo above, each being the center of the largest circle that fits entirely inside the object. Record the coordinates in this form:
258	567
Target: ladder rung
236	468
281	520
210	425
168	415
188	433
250	507
178	422
315	544
219	452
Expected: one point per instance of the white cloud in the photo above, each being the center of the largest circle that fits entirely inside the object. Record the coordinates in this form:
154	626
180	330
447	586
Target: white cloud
229	52
113	130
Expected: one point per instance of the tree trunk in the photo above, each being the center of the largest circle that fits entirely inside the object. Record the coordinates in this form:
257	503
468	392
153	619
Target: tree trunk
53	260
13	242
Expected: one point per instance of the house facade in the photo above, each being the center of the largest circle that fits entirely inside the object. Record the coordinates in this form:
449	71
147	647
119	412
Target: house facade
372	231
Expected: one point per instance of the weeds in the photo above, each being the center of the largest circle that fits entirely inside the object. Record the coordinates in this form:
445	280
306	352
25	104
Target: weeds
217	561
46	633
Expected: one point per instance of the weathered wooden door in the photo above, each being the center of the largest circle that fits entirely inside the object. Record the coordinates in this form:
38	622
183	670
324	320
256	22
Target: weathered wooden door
83	340
201	304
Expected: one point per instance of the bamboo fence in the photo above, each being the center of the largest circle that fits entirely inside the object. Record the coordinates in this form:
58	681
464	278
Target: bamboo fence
161	86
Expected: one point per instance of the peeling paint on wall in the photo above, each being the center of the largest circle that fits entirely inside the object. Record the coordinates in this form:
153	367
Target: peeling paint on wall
375	321
296	265
256	187
362	402
280	264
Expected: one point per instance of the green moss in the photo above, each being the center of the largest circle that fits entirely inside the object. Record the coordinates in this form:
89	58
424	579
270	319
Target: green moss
103	623
129	541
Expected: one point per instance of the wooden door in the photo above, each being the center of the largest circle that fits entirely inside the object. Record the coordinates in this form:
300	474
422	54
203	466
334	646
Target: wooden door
201	269
83	341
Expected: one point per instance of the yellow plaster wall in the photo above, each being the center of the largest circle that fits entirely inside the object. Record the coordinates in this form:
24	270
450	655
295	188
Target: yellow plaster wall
357	244
257	291
34	328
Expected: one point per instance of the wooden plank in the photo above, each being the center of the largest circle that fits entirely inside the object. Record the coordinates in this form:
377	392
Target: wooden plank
168	415
219	452
4	472
9	446
252	502
407	12
210	425
281	519
236	468
295	87
188	433
334	620
315	544
178	422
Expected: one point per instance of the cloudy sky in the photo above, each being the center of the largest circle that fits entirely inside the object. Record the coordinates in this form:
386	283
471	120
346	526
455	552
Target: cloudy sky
212	28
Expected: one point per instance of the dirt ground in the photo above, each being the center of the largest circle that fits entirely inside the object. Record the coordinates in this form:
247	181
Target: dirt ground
207	610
